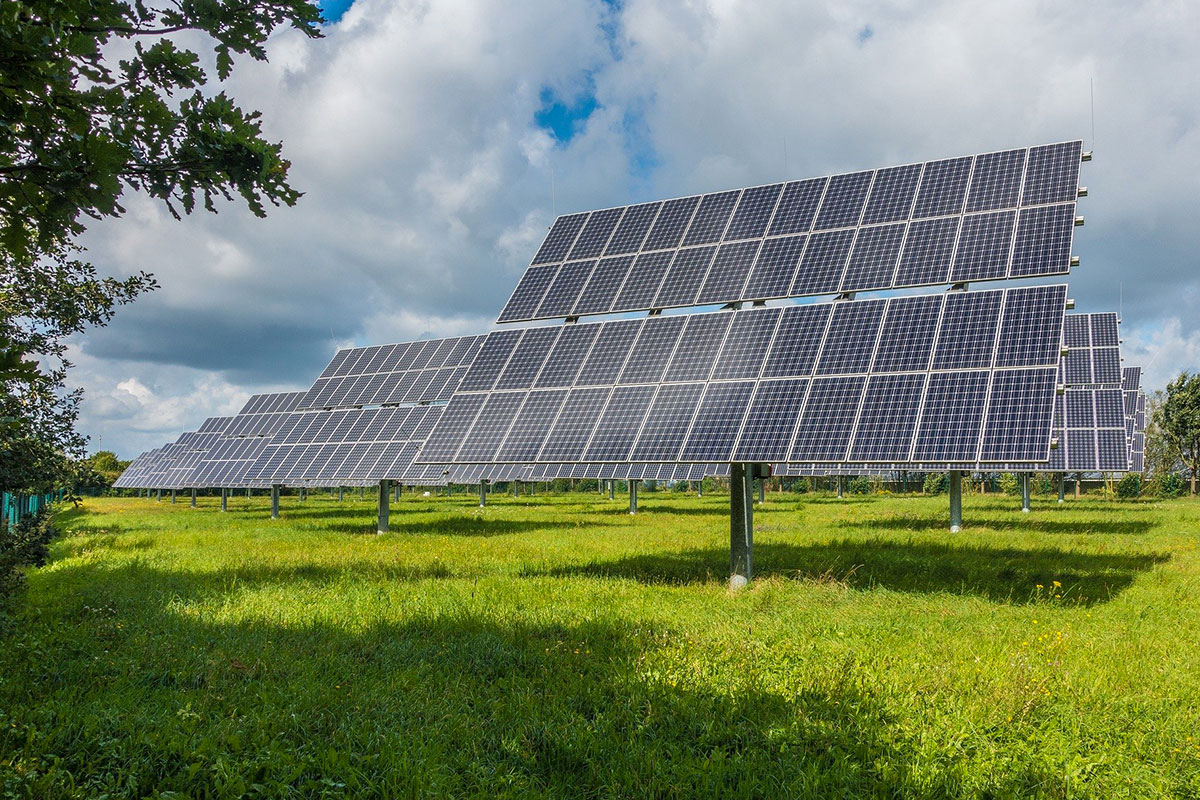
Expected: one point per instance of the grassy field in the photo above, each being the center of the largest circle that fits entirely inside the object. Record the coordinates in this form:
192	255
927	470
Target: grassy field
557	647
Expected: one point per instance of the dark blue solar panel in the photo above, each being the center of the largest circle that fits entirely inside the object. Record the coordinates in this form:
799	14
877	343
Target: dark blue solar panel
672	220
892	194
1080	411
573	427
493	355
728	272
797	207
461	412
770	420
1112	451
603	285
823	263
851	338
619	424
983	247
1076	331
529	429
1081	450
652	350
718	421
927	252
1077	367
1104	330
968	333
668	422
873	259
683	279
529	292
1053	173
828	419
888	419
1106	365
711	218
906	339
843	202
565	359
775	268
527	358
1029	330
698	347
564	289
753	212
943	187
609	352
746	344
798	340
996	180
562	235
1043	245
952	417
1020	410
594	237
632	230
490	426
645	276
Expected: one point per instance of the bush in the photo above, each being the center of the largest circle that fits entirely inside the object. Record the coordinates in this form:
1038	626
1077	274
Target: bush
589	485
1169	485
1130	486
22	545
681	486
1010	483
936	483
860	485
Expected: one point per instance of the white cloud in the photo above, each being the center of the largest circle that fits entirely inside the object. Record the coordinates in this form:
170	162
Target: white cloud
428	182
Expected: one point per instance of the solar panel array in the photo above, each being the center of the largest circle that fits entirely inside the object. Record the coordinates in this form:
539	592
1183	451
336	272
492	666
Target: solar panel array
1007	214
190	451
1092	438
341	447
1135	417
964	376
1093	350
224	466
410	372
138	469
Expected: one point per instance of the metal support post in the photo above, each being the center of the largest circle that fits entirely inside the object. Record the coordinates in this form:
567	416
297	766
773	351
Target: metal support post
193	498
341	491
248	493
840	481
158	496
383	506
1062	486
362	493
275	501
610	489
1025	492
516	487
700	488
762	491
955	501
741	525
482	493
397	493
224	499
172	497
1078	475
633	486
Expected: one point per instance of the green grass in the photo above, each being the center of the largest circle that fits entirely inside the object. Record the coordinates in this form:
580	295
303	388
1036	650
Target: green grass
554	646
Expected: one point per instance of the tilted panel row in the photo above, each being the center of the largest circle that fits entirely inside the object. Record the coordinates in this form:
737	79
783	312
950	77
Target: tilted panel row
1093	343
410	372
1000	215
964	376
340	446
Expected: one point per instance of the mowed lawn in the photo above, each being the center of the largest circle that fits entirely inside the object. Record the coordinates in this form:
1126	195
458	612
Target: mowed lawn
554	646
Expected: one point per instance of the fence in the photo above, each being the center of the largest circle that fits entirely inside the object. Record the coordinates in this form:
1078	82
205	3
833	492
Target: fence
15	507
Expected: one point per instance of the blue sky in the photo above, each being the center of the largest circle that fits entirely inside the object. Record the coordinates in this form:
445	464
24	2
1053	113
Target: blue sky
434	143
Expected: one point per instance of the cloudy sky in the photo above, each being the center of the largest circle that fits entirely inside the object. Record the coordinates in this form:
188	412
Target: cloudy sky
436	141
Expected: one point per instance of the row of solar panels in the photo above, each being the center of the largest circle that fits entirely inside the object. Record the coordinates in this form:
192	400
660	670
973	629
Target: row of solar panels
1007	214
272	440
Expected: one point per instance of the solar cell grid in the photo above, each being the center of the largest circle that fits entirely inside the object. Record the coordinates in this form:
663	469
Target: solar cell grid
652	350
632	230
798	340
967	334
851	338
560	238
603	285
697	348
641	286
907	335
775	268
746	344
888	419
667	422
728	272
823	433
925	201
684	277
567	356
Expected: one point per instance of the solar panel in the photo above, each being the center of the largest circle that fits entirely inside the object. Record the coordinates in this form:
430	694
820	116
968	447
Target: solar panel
1093	350
802	384
1008	214
370	375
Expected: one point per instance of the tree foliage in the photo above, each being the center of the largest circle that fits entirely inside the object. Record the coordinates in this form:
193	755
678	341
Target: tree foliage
1180	420
98	97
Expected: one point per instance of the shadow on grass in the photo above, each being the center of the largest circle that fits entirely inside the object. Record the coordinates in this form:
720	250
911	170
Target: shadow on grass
1018	522
1007	575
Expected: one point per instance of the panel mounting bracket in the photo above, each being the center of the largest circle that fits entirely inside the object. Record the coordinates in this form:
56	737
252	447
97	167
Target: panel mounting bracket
958	287
734	306
570	320
1086	155
655	312
845	296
